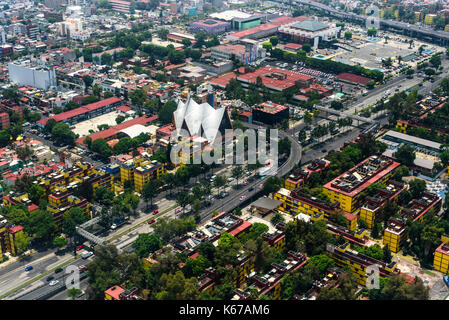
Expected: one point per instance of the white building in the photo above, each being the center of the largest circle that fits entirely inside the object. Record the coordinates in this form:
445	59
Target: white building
309	31
26	73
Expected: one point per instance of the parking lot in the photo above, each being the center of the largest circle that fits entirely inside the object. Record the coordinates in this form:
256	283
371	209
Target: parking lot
82	128
370	54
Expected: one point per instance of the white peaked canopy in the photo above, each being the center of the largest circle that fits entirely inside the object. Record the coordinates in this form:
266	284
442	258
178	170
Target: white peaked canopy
199	118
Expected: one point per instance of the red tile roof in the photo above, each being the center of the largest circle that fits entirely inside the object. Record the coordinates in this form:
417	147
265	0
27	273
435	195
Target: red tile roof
114	292
223	80
270	82
81	110
16	229
353	78
245	225
293	46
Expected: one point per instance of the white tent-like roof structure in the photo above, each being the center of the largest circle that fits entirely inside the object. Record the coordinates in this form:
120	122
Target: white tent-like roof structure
137	129
199	118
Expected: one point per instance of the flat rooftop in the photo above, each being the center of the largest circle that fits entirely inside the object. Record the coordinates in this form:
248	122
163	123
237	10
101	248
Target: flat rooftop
362	175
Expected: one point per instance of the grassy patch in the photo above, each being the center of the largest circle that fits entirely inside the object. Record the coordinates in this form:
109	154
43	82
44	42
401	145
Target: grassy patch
429	273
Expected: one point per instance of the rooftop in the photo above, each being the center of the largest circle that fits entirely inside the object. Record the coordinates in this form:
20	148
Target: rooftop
362	175
309	25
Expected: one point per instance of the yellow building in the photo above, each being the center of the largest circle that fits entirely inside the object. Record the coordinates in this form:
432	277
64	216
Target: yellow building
441	257
146	172
429	18
401	126
294	202
8	234
395	234
418	16
349	186
60	202
374	205
140	171
358	263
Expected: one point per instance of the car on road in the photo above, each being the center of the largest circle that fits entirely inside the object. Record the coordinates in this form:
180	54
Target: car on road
49	278
261	185
82	268
178	210
28	268
155	211
151	221
230	179
323	150
245	183
251	189
224	194
79	248
114	226
58	270
54	282
242	198
86	254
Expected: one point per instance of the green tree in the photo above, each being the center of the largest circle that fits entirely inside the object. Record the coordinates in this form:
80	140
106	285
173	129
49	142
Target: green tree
22	242
146	244
61	133
406	155
277	218
87	81
387	254
150	190
166	112
35	193
59	242
73	293
417	187
274	41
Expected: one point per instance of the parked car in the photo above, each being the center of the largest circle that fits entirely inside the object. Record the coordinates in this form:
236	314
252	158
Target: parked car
49	278
151	221
28	268
178	210
82	268
79	248
155	211
86	254
242	198
54	282
251	189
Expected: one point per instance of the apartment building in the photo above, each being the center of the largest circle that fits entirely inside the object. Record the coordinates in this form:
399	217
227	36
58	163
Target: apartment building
358	263
140	171
373	205
60	202
7	237
441	257
296	201
395	234
349	186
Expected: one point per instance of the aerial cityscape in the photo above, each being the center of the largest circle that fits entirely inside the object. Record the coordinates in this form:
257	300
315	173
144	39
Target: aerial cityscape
240	150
